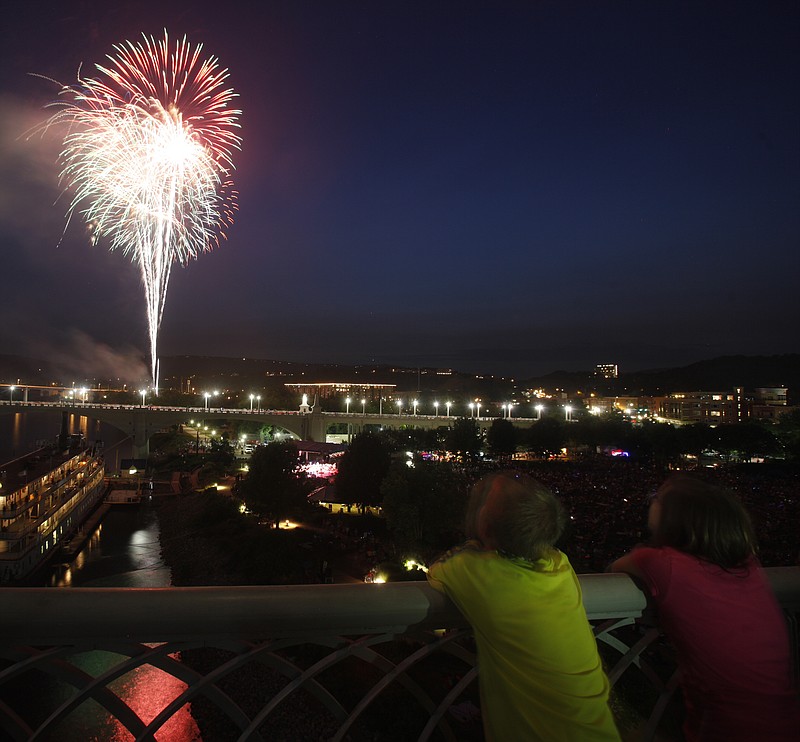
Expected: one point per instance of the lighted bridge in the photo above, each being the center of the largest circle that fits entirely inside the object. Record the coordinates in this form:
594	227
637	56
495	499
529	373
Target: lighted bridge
140	422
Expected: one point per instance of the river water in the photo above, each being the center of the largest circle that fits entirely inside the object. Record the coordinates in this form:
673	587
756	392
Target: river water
124	551
22	432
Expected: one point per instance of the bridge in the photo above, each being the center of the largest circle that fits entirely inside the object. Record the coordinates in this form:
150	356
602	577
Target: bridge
308	423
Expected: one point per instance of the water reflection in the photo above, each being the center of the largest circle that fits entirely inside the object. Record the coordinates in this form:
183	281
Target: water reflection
146	690
124	551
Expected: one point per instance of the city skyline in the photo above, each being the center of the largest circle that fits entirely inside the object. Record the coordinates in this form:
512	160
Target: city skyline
508	188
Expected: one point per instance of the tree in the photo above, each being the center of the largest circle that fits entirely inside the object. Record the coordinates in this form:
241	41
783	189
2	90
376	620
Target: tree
362	469
425	504
658	442
272	487
547	436
696	438
788	433
464	438
501	438
745	440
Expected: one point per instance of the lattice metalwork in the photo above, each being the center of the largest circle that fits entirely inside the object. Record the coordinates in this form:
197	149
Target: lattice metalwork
356	662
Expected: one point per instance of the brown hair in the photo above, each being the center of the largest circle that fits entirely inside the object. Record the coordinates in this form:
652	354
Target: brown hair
704	520
526	518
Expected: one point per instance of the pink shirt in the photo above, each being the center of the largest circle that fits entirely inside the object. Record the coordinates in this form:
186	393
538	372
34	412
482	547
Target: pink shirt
733	646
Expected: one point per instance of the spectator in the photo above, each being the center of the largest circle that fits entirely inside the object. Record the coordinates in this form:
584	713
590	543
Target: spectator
540	673
718	610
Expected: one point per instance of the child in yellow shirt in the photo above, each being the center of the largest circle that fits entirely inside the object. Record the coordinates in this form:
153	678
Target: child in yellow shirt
540	674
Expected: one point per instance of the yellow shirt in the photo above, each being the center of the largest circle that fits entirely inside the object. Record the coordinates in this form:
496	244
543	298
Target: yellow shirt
539	671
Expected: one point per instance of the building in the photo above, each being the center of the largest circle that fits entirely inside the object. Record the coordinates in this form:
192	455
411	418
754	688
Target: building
356	390
711	408
769	403
606	370
44	498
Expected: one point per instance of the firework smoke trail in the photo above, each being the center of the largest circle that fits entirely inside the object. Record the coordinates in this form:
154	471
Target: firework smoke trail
147	156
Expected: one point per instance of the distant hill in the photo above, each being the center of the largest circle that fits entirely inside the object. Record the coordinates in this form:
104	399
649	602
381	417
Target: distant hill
716	374
725	373
721	373
29	370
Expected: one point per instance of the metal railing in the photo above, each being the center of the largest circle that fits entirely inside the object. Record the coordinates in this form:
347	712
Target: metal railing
392	661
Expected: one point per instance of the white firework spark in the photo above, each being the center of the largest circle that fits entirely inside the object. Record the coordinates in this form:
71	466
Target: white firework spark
148	158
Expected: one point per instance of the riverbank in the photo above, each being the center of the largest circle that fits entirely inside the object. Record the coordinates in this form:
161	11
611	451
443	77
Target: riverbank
206	541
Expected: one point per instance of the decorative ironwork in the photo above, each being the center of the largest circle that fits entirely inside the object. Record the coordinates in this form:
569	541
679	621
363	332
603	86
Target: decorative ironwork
393	661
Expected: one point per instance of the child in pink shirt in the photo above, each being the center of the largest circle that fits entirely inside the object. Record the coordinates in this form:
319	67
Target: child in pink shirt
716	607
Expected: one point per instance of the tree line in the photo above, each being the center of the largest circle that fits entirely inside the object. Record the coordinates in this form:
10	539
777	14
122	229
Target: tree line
423	492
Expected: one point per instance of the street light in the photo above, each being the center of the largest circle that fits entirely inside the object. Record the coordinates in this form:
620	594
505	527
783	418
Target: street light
399	405
206	395
415	406
539	408
258	399
142	392
479	411
11	392
347	402
567	411
509	410
471	409
448	404
503	407
436	409
363	406
252	397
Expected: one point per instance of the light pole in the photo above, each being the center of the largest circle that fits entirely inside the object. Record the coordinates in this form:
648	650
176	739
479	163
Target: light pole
399	405
436	409
206	395
11	393
142	392
363	407
471	409
252	397
347	402
479	411
415	406
539	408
448	404
503	407
380	406
509	410
258	399
567	413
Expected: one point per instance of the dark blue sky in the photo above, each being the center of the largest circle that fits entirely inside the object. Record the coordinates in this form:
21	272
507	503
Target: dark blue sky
504	187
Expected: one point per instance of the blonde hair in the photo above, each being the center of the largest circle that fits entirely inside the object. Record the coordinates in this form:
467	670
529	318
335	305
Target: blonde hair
524	519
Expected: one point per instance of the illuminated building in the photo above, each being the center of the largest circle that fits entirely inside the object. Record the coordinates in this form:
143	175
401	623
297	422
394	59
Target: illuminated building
712	408
356	390
44	498
606	370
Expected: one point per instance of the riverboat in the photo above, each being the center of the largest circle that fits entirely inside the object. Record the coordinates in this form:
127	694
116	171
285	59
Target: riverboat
45	496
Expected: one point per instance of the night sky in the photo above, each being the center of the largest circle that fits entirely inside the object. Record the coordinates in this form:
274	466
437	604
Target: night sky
498	187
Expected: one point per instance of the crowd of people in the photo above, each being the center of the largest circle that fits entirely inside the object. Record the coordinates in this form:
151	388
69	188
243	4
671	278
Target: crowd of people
540	674
607	503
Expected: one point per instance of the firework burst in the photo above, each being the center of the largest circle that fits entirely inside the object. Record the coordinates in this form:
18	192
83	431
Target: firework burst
148	158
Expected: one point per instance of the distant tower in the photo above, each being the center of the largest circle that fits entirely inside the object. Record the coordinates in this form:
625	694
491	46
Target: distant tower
606	370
